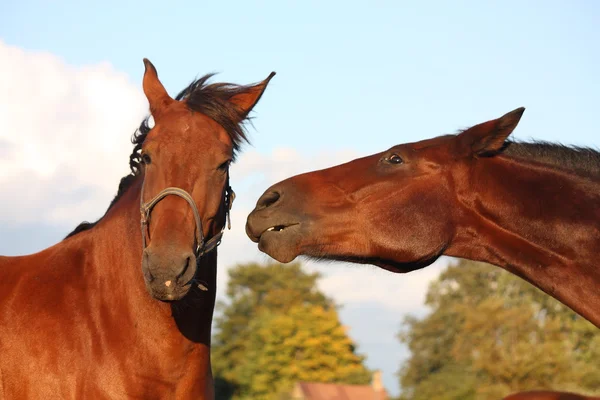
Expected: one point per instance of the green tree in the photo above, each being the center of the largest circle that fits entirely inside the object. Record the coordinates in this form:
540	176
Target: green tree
307	343
258	297
495	334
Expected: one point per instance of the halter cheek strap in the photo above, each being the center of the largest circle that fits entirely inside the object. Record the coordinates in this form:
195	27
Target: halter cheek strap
202	247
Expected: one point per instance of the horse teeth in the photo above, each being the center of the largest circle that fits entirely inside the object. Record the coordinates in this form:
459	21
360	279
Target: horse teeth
271	229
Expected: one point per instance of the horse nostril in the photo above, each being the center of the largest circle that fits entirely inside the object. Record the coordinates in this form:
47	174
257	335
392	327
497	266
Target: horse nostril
268	199
146	266
188	261
149	276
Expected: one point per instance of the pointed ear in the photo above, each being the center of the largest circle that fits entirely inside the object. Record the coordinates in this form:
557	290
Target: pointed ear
489	137
248	98
155	92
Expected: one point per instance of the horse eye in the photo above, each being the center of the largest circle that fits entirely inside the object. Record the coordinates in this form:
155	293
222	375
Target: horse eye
146	159
395	159
225	165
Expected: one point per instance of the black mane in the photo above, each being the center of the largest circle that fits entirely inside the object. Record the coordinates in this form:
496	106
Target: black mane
211	100
580	159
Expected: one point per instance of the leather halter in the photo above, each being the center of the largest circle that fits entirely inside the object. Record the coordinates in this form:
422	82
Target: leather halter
202	247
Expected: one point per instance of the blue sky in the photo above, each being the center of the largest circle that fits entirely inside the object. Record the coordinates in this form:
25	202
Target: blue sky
350	74
352	79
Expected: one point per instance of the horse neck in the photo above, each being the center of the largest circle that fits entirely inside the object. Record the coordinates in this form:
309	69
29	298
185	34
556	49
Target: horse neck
117	252
536	221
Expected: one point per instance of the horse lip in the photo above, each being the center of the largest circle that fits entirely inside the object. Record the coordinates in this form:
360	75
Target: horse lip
278	228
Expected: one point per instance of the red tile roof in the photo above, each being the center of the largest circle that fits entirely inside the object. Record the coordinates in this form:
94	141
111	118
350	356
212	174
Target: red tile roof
332	391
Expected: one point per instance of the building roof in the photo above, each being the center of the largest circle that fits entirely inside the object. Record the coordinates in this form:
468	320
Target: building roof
332	391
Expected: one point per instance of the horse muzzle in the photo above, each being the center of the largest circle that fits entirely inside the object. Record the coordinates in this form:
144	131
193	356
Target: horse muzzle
169	275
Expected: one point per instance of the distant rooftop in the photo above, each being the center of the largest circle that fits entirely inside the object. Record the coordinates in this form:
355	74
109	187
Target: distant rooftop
334	391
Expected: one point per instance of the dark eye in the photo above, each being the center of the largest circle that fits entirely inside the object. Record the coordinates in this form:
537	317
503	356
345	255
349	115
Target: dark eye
225	165
395	159
146	159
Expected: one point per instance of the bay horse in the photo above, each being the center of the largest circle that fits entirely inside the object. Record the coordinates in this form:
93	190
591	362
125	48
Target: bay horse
531	208
548	395
114	311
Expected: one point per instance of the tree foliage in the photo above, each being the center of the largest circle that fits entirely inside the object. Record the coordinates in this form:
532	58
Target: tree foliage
275	329
495	334
307	343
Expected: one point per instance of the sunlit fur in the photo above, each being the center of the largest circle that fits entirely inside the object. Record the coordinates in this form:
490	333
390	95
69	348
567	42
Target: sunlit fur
531	208
82	319
202	97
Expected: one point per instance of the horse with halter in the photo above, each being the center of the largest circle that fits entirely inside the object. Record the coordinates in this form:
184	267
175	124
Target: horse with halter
122	308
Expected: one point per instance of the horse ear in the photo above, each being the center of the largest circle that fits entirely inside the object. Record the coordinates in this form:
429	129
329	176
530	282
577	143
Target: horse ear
155	92
248	98
489	137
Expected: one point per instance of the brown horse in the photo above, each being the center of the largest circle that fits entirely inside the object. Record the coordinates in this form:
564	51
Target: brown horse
117	312
547	395
531	208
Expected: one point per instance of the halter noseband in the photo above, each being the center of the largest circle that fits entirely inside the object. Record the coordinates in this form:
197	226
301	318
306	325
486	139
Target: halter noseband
202	247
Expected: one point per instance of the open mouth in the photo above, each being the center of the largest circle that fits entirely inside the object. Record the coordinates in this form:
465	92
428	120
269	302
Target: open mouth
278	228
272	230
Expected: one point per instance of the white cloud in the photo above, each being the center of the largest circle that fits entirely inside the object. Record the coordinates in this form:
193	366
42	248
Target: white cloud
64	136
